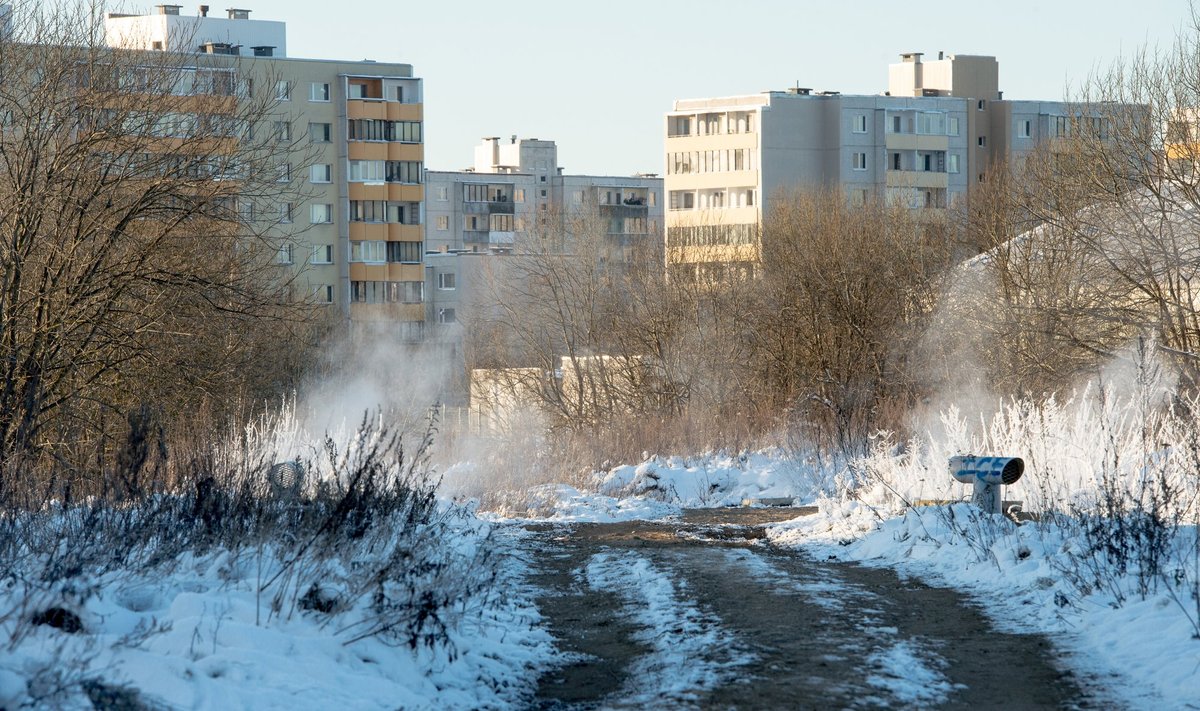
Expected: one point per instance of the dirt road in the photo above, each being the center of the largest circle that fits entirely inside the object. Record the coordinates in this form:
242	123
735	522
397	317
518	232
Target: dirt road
704	614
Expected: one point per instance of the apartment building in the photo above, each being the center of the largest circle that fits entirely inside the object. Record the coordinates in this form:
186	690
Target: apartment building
356	239
925	144
515	199
515	192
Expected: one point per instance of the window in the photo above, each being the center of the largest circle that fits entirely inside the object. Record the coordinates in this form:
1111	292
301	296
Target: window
982	141
284	255
283	91
860	161
859	124
446	281
447	316
320	132
1024	128
931	123
318	92
368	210
952	163
952	125
679	126
283	130
380	130
443	193
403	171
652	197
246	210
896	161
982	104
321	214
400	94
895	124
323	293
519	195
405	252
500	222
319	173
285	213
474	192
577	197
284	173
367	171
368	251
443	223
543	193
322	254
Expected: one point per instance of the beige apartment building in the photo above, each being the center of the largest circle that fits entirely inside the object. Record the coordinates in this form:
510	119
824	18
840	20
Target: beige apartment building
925	144
356	239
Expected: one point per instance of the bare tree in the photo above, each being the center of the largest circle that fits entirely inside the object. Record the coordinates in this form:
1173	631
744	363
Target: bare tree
135	261
846	294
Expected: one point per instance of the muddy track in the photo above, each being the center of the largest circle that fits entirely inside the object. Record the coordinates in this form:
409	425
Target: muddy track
799	632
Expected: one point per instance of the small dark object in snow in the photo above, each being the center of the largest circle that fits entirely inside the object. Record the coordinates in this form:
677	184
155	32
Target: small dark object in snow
318	599
58	618
1023	553
1061	600
110	697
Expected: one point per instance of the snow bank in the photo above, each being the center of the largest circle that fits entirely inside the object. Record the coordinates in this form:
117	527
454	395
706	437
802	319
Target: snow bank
197	634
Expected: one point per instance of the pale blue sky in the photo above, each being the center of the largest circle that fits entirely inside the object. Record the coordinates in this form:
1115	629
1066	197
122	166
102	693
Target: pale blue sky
597	77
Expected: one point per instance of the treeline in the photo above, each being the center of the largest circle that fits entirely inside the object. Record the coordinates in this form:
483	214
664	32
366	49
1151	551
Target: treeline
855	317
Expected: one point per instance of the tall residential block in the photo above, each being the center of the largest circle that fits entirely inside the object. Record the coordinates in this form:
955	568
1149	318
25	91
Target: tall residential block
357	236
925	144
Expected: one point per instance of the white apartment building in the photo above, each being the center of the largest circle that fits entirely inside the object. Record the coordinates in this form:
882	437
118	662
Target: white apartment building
925	143
357	240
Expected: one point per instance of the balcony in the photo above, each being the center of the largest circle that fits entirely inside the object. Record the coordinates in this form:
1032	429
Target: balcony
489	237
917	179
490	207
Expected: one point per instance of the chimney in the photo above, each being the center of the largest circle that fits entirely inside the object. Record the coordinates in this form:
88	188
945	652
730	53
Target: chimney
238	13
204	11
940	54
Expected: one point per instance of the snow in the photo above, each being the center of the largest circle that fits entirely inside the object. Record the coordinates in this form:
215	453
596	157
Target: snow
689	651
716	479
199	637
909	674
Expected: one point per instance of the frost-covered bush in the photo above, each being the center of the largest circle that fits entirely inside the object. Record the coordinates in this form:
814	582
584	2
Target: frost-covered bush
348	535
1118	469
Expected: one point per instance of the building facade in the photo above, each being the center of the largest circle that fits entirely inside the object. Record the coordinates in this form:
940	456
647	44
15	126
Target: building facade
356	239
516	200
925	144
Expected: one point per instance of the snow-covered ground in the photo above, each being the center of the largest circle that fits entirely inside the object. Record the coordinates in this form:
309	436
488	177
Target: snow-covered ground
1138	635
201	637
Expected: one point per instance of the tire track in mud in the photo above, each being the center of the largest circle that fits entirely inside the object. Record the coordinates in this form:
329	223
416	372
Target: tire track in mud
792	632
